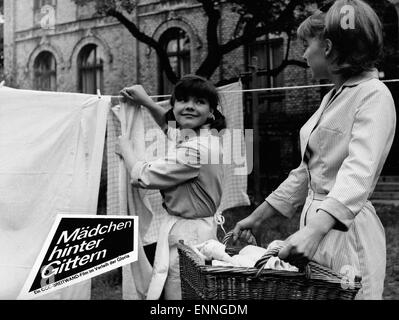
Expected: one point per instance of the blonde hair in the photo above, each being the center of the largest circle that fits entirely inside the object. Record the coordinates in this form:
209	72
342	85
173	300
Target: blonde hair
358	47
313	26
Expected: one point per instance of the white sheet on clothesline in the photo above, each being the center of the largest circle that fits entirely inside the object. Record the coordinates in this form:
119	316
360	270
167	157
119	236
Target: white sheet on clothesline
51	148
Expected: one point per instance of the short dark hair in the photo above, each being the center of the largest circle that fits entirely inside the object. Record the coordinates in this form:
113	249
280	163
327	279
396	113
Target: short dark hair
198	87
358	49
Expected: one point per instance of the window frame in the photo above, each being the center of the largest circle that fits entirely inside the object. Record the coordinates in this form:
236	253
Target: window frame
93	69
38	4
183	56
268	44
40	77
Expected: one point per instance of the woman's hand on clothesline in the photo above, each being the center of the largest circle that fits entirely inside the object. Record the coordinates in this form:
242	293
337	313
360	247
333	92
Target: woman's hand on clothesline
136	94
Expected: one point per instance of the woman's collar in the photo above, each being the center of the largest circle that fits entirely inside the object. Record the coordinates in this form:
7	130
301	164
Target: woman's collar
362	77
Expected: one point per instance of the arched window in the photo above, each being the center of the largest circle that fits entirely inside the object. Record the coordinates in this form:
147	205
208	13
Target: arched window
90	64
37	4
177	44
45	72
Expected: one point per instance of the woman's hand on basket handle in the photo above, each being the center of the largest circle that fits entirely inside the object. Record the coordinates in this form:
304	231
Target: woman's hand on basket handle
301	246
246	228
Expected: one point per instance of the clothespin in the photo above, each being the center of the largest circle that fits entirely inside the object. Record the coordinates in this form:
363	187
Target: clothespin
98	93
2	84
115	100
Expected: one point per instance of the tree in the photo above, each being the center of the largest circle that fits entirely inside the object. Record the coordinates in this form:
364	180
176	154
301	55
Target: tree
389	18
254	19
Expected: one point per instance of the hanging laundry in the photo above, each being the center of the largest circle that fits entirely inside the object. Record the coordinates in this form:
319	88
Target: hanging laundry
122	199
234	186
154	196
235	183
51	147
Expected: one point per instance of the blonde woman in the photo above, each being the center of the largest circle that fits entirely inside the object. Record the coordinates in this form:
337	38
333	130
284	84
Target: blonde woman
343	146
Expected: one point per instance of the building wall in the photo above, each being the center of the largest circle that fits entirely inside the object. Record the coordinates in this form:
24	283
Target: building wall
8	33
302	100
23	15
129	62
233	62
155	17
25	39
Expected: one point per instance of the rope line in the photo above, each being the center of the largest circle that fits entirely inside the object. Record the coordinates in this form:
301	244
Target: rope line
276	89
255	90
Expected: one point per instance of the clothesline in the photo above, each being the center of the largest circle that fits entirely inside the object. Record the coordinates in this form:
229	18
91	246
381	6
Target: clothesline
267	89
247	90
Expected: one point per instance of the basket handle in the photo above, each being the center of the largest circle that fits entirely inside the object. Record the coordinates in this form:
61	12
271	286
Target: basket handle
260	264
312	269
272	252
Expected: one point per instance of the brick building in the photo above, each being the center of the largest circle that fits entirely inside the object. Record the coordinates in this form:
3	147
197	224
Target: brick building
56	45
77	32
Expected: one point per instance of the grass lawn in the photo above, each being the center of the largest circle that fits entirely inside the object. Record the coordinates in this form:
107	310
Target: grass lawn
108	286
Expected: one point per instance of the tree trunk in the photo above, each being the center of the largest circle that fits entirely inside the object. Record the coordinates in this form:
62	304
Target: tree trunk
210	64
142	37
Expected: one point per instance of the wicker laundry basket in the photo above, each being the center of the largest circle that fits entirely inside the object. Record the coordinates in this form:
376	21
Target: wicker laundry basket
201	281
